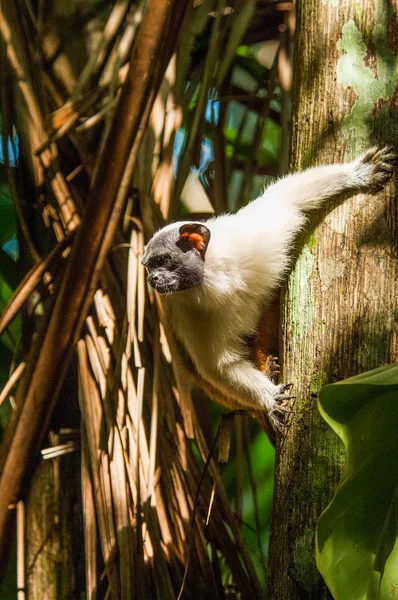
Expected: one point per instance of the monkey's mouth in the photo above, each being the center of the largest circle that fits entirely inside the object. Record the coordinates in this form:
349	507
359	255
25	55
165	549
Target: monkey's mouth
164	287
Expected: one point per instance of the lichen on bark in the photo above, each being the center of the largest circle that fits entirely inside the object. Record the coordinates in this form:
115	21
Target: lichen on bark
368	85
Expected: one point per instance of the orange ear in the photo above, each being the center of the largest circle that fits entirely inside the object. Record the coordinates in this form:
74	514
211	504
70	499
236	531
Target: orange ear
196	236
195	240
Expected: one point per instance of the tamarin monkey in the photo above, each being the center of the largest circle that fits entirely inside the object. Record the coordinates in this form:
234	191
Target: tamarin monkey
217	276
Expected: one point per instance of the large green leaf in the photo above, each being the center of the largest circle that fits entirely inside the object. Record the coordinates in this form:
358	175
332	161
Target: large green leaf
357	550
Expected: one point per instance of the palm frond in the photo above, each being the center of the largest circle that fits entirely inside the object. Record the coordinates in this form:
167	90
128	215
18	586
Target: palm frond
99	159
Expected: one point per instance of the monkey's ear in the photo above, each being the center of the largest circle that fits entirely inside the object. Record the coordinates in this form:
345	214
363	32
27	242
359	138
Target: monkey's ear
196	236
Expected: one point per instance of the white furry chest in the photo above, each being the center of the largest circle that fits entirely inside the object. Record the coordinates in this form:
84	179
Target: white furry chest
195	326
207	333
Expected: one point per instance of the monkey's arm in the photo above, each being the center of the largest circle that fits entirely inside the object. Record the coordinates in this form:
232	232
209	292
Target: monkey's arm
243	386
308	189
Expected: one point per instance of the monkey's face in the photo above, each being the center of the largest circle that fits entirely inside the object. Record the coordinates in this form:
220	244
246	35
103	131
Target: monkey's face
174	258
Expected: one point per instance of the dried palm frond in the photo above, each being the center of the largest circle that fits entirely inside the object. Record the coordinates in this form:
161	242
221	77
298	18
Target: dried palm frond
98	150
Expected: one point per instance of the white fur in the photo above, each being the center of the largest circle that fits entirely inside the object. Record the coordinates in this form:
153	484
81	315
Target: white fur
246	258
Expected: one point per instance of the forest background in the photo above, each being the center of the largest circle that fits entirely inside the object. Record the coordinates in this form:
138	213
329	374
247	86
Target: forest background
114	119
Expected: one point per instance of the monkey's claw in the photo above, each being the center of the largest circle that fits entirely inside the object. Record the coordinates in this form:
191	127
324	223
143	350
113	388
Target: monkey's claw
380	163
281	409
273	366
281	396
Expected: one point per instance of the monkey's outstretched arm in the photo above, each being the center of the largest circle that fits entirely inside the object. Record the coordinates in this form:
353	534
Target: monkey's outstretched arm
308	189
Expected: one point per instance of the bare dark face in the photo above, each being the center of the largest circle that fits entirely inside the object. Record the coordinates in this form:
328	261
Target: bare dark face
174	259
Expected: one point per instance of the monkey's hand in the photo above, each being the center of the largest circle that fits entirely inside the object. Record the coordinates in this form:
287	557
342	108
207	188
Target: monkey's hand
375	168
282	407
249	389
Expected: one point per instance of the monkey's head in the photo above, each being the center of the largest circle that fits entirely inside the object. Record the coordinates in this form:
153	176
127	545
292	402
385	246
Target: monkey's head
175	257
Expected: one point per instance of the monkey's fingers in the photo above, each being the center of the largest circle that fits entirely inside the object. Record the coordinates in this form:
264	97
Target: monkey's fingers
273	374
273	363
381	162
281	426
280	398
279	416
285	410
278	424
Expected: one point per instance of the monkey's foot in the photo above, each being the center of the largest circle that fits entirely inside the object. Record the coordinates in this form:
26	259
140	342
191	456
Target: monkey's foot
281	409
377	167
282	393
273	366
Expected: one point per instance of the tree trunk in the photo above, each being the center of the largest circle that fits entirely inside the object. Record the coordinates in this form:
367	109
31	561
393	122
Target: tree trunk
55	552
54	524
338	309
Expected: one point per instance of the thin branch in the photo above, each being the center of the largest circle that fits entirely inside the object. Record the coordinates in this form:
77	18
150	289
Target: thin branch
13	380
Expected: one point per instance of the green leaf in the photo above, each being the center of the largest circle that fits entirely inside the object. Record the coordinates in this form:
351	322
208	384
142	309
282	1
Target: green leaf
14	329
357	550
271	139
8	225
252	66
5	362
10	271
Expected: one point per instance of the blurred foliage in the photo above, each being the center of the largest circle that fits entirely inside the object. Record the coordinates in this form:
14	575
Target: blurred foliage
10	338
357	550
248	478
8	269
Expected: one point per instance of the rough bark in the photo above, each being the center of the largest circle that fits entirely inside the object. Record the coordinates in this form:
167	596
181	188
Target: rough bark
339	305
55	557
53	511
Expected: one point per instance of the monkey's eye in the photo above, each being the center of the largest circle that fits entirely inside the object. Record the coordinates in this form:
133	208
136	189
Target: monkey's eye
159	261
